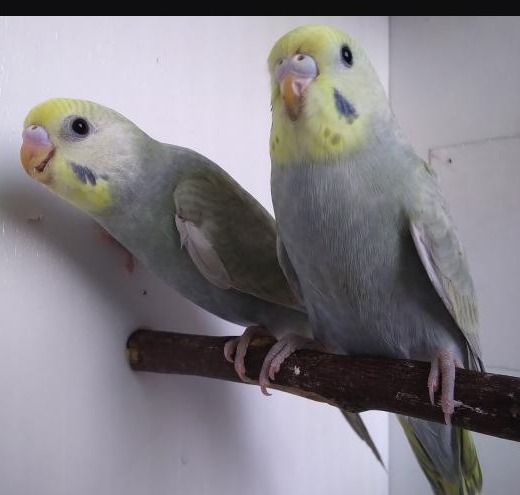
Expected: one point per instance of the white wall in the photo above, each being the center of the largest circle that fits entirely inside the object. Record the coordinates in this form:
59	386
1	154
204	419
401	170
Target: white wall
75	419
454	87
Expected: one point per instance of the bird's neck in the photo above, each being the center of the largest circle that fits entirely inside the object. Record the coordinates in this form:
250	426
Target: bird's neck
328	141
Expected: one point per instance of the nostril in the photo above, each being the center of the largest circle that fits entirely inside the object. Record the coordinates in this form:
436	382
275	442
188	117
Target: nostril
36	134
303	65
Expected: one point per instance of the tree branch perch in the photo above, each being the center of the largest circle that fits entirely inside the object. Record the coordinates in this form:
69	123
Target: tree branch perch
489	403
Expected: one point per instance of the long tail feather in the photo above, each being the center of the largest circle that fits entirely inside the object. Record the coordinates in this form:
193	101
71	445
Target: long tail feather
357	424
447	456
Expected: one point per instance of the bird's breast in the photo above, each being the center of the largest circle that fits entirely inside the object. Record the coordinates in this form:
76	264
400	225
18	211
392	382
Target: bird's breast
347	237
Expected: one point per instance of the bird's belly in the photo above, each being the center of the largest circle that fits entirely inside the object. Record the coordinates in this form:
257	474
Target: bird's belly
161	253
393	327
364	285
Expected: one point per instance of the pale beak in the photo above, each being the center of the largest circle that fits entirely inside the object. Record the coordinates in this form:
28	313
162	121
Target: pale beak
36	151
294	76
292	89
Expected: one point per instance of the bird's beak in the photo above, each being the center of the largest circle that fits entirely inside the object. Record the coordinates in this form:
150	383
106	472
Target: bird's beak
292	89
36	151
294	76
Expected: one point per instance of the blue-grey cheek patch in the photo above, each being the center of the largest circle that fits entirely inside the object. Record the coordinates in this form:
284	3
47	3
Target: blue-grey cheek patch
84	174
344	107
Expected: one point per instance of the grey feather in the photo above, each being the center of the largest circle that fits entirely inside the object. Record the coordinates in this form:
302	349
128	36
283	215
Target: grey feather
288	269
367	232
185	219
445	262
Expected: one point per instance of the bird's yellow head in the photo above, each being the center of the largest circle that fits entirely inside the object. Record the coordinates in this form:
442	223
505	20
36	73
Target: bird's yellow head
325	96
77	148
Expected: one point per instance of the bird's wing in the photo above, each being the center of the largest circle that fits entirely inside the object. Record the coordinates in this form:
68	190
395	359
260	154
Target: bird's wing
230	237
444	259
288	269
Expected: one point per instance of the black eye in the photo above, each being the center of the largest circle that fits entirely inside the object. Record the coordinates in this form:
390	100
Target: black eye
80	126
346	55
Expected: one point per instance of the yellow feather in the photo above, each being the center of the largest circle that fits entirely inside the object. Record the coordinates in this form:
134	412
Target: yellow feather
470	482
60	177
87	196
53	110
322	132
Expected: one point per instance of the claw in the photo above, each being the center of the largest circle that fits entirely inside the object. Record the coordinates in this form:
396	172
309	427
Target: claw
443	368
235	352
129	260
280	351
433	380
229	349
128	257
238	347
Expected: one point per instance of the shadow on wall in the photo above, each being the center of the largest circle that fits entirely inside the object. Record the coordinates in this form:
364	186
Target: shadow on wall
39	227
71	240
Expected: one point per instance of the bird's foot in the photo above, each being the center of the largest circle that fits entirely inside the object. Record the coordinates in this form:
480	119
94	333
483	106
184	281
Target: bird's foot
235	349
280	351
128	258
443	370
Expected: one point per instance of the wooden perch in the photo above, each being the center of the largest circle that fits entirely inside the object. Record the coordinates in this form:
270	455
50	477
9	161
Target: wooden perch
489	403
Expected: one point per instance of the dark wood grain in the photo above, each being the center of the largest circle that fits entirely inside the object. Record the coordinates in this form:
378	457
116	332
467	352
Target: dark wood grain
489	403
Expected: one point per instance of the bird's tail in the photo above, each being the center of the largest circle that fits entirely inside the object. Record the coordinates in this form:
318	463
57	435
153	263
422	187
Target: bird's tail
446	454
357	424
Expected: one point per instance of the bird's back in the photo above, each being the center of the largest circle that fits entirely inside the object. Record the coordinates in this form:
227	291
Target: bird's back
144	222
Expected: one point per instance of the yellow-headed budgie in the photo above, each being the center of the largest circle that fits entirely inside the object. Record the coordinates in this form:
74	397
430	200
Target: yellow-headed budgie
176	211
365	235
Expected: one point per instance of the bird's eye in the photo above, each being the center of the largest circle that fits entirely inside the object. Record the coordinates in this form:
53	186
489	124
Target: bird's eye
80	126
346	55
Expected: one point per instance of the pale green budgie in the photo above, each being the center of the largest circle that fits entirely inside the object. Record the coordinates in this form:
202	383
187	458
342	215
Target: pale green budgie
365	235
177	212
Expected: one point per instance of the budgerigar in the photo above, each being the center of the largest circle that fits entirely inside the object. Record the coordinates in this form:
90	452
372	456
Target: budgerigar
176	211
365	234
